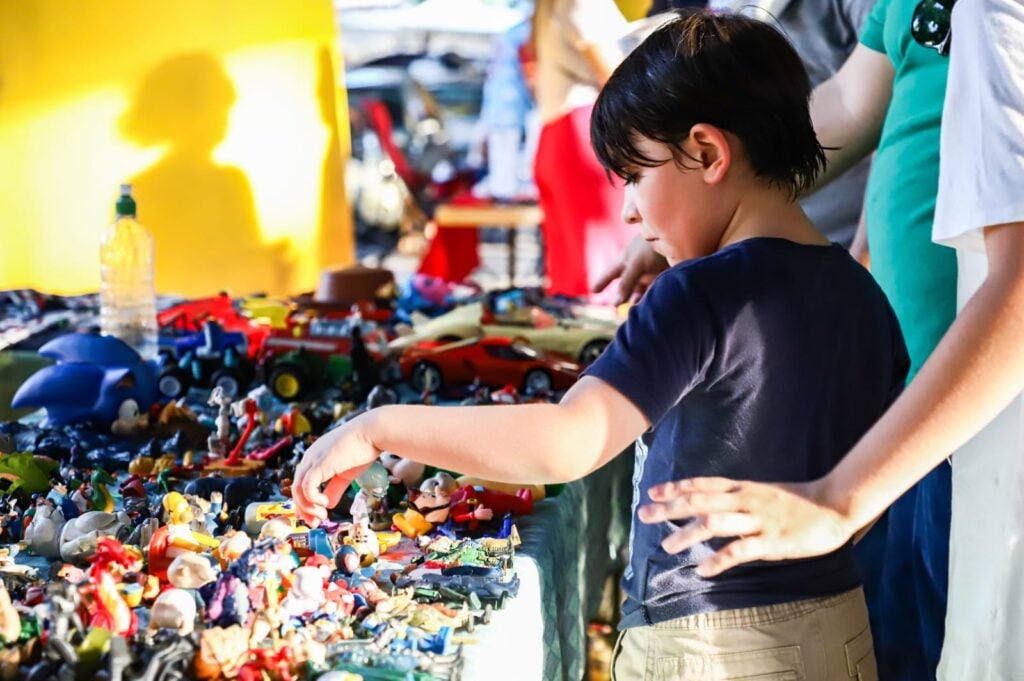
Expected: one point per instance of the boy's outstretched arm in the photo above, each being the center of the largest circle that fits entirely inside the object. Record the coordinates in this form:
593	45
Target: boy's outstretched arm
530	443
975	371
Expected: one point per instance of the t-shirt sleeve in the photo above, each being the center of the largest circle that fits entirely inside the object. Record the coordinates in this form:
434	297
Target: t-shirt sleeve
663	349
981	167
857	12
872	34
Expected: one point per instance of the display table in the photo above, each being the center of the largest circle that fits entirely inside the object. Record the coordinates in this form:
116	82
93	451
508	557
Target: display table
570	545
506	216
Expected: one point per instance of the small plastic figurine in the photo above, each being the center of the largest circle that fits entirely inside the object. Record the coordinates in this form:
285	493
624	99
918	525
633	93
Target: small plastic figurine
42	536
102	499
174	609
406	472
192	571
371	499
363	540
411	523
306	594
81	535
434	498
469	505
177	536
109	563
181	536
130	421
232	546
220	440
293	422
10	621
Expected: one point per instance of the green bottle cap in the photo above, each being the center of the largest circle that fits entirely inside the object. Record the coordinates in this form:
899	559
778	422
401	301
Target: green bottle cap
125	206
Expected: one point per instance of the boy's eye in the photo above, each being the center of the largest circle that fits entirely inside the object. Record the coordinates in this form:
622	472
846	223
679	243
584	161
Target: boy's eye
631	178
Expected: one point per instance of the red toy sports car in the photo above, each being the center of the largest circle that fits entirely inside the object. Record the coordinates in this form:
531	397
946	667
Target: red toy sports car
495	361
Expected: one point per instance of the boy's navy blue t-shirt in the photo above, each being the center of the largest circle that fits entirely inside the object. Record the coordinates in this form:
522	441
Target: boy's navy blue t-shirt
765	361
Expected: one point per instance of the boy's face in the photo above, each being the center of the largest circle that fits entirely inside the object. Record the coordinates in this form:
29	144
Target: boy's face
680	214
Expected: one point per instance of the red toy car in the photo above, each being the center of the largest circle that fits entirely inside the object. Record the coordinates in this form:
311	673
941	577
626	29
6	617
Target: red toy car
495	361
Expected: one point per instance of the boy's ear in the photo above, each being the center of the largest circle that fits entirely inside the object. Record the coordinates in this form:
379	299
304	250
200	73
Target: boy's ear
711	148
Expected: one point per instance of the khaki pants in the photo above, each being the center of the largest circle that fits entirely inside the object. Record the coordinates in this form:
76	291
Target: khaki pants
825	639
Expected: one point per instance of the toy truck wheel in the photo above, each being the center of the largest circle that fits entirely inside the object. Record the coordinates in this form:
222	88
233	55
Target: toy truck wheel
537	382
287	382
592	351
229	381
426	377
174	382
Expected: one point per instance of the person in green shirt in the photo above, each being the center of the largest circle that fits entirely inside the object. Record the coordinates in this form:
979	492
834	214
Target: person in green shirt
887	98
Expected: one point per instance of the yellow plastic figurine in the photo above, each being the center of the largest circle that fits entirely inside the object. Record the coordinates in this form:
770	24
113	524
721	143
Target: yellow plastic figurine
180	535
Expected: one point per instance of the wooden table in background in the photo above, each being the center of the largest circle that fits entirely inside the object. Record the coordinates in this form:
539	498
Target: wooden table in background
504	216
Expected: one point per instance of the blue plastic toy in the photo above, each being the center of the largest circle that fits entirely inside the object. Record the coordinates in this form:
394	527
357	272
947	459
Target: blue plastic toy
92	380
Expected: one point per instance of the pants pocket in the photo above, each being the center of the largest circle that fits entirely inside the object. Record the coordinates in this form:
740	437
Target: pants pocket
771	664
860	657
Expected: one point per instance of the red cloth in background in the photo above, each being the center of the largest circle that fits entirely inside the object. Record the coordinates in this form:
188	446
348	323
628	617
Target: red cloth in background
452	254
583	231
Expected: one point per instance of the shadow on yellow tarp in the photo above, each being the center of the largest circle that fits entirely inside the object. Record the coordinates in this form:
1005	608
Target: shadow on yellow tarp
228	118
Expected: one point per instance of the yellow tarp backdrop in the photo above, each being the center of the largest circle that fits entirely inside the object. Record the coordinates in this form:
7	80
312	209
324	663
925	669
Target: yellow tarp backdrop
228	117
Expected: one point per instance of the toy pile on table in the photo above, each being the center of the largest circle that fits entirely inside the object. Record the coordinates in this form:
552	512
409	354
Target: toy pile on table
146	529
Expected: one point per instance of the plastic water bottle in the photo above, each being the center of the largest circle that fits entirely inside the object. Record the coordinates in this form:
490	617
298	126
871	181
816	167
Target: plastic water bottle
127	298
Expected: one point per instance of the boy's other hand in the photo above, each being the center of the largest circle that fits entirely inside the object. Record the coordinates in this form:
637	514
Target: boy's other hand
635	271
336	458
768	521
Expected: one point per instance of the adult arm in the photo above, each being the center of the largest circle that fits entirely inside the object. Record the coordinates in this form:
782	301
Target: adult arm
973	374
532	443
859	249
849	108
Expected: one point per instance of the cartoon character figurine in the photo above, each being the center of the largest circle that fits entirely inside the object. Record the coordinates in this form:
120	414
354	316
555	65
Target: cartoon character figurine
405	472
306	594
363	540
174	609
219	441
371	499
93	377
110	611
438	501
42	536
177	536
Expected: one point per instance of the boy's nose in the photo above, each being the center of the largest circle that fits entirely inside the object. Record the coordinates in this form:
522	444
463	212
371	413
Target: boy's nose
630	214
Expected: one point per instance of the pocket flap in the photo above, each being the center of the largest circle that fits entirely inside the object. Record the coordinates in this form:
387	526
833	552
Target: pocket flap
857	649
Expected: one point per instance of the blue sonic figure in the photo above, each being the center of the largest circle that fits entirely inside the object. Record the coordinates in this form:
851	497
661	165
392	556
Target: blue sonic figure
97	379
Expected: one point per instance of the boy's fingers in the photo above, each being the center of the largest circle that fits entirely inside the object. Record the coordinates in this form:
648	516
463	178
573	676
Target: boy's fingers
703	528
610	275
335	488
733	554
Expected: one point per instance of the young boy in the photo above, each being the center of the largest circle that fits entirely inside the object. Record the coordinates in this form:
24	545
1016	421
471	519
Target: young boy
764	352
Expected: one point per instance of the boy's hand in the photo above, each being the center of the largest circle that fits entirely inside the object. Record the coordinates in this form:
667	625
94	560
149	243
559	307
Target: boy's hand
635	271
337	458
769	521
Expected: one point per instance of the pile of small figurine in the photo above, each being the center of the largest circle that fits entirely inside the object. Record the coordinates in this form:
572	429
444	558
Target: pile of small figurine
159	542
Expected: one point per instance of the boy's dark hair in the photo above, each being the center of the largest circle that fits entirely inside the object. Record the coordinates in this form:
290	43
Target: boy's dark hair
730	71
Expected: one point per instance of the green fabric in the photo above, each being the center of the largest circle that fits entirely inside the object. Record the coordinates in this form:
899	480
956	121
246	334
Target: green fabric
918	276
577	539
15	367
